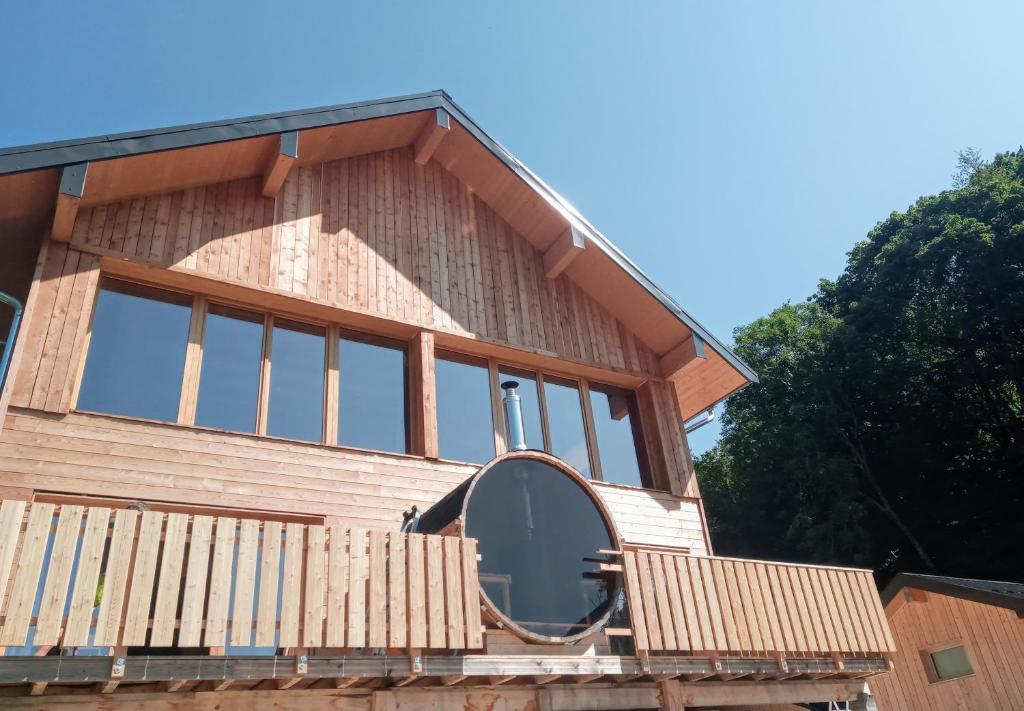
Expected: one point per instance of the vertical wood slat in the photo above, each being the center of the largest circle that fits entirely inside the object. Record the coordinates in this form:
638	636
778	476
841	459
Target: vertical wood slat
115	579
270	568
337	587
58	577
195	582
136	623
291	586
245	582
215	634
76	633
394	590
165	613
26	576
358	573
635	601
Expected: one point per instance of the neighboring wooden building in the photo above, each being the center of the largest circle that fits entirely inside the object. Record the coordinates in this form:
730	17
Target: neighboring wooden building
959	645
251	345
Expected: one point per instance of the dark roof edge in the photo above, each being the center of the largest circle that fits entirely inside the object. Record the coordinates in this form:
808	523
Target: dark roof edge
943	586
48	155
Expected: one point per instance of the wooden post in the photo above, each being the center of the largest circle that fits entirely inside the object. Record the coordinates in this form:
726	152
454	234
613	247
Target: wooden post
424	395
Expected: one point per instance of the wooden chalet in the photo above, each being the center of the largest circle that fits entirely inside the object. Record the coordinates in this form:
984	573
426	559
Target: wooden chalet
253	446
959	645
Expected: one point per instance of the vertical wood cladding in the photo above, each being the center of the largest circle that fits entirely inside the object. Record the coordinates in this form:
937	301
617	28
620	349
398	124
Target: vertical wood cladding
375	232
993	638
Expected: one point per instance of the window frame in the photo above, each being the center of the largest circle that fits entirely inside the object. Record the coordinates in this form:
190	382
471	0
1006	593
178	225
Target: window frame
932	672
200	306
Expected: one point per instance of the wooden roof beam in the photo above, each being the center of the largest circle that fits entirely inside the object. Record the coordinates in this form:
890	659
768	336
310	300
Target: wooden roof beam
69	195
565	249
431	136
682	356
277	171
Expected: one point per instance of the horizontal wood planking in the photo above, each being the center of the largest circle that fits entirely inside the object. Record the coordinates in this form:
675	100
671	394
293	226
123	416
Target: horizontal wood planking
173	538
377	232
96	455
992	636
734	606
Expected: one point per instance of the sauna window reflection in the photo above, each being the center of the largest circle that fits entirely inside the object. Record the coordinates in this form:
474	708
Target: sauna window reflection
136	355
465	428
529	396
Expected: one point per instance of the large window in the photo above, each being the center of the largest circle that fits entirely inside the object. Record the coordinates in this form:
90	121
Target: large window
297	360
229	382
593	427
372	403
465	430
136	352
245	371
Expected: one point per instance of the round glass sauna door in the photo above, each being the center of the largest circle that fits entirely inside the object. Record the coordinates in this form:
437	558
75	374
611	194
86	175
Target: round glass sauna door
539	533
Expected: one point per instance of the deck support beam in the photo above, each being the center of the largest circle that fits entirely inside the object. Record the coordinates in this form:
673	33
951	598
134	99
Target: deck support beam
69	195
286	155
683	356
569	245
437	127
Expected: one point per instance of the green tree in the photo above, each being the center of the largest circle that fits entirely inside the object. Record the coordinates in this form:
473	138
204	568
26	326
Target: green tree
888	426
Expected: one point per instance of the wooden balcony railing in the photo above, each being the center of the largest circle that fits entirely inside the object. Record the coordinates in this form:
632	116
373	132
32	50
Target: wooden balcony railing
90	576
682	603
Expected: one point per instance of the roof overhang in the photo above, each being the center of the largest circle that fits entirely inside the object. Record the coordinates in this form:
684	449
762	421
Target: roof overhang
986	592
146	162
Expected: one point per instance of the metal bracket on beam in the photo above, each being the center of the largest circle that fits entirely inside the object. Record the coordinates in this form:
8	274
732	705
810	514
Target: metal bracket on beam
287	154
69	195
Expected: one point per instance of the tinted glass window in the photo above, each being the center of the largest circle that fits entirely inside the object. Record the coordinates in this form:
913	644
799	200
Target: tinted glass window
565	422
951	663
136	354
530	403
296	406
619	441
539	535
371	401
229	381
465	430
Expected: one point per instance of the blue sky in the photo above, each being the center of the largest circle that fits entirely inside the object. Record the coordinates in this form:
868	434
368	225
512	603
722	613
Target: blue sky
735	150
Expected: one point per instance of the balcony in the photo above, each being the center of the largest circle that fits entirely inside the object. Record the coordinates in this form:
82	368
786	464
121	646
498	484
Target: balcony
186	599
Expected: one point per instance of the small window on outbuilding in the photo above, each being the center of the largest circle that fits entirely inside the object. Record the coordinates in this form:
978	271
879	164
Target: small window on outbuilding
949	663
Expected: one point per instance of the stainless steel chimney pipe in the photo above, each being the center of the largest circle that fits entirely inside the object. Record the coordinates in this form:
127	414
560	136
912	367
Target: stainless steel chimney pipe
514	416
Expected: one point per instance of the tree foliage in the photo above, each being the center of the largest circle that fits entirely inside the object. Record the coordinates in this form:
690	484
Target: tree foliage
888	426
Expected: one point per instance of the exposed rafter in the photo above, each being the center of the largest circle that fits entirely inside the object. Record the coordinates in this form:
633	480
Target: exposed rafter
683	356
277	171
565	249
435	130
69	195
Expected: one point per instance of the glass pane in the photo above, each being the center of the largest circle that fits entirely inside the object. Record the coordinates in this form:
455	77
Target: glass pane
538	533
951	663
530	403
136	354
619	441
565	420
296	381
371	402
229	382
465	430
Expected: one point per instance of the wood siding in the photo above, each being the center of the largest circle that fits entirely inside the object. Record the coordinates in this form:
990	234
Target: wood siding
174	580
688	603
377	233
993	638
97	455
